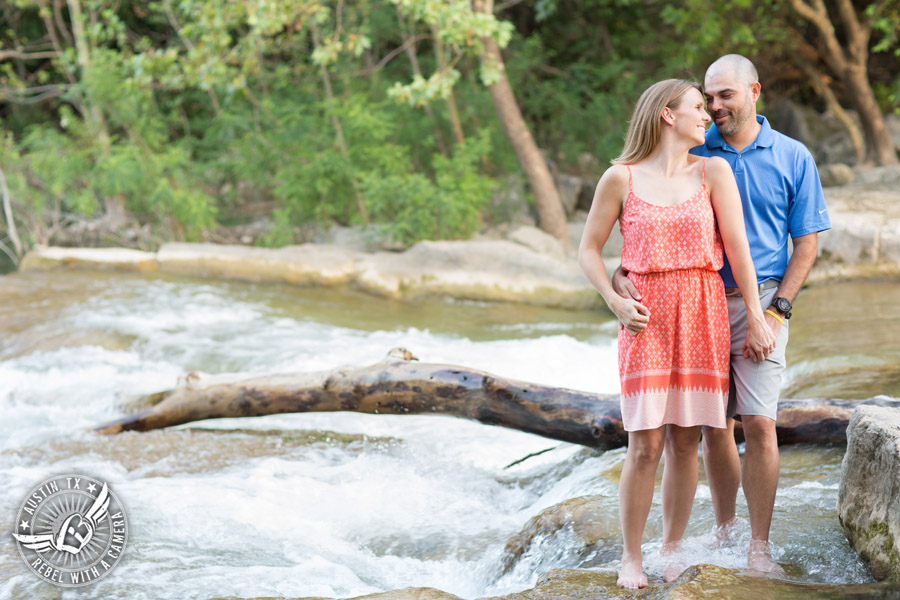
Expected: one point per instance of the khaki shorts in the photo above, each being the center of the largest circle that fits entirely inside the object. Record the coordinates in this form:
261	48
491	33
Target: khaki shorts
755	386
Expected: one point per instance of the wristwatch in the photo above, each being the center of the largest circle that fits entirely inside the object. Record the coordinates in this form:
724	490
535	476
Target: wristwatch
783	305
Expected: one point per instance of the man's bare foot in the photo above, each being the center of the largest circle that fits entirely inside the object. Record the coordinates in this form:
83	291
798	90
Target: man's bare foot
631	575
759	558
724	531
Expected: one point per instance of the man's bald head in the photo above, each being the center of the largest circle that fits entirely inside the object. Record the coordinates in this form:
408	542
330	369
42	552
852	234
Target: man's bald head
734	67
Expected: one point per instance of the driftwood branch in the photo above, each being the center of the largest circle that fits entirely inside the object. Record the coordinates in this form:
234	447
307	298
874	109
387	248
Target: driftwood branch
400	385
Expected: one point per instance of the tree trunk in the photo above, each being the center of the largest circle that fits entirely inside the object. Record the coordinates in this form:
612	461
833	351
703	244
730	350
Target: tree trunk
848	58
817	80
443	65
549	206
879	144
400	386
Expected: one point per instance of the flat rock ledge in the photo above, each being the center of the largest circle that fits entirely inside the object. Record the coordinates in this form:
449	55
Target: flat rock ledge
698	582
869	495
482	270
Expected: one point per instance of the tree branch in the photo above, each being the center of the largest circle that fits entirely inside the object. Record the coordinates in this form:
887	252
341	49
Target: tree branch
818	16
7	54
507	4
393	54
10	222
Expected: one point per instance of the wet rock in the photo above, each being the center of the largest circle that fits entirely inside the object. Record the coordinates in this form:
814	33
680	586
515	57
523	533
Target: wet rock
835	175
869	496
585	516
698	582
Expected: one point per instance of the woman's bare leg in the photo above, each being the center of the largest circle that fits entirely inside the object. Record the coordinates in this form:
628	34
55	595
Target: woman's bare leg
635	497
679	487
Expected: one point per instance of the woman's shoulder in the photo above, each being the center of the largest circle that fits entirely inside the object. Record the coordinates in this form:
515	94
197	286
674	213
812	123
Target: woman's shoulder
615	176
715	165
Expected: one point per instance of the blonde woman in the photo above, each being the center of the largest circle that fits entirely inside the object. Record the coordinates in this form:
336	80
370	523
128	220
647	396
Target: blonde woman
676	212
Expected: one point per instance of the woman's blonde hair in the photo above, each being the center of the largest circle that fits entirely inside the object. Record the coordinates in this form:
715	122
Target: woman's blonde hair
645	127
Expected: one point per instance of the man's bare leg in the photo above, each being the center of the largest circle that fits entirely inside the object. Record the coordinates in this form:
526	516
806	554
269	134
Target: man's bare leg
679	486
723	473
761	465
635	497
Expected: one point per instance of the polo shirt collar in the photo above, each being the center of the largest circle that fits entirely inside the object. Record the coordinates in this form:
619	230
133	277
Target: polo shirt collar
764	139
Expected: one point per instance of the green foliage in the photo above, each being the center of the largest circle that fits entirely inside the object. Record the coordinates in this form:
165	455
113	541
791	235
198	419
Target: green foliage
186	112
413	207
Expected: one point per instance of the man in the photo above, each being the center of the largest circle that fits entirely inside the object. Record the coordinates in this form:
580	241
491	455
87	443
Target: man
782	197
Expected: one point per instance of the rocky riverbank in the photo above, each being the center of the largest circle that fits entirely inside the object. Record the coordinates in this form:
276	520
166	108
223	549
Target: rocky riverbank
509	264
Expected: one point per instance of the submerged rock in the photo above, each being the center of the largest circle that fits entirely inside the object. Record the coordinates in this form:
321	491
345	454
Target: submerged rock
869	496
586	516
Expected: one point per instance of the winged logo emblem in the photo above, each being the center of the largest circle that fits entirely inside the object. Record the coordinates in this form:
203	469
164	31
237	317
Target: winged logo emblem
74	533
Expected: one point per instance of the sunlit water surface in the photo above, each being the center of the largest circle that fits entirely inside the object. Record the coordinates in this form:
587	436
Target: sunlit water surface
343	504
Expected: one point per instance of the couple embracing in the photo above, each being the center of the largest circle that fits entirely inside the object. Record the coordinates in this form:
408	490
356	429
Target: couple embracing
703	298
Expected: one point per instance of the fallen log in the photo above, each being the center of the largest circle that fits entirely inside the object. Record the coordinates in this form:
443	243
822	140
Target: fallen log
400	385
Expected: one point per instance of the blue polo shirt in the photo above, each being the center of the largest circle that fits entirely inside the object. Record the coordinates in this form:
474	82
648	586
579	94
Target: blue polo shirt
780	192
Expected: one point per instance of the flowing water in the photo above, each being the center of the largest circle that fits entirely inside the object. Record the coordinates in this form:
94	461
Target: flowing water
343	504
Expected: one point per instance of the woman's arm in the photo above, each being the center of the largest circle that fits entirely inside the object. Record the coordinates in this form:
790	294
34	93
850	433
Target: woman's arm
726	201
605	210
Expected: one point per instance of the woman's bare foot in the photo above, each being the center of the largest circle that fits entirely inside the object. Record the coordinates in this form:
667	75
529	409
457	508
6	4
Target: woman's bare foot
631	575
759	558
674	563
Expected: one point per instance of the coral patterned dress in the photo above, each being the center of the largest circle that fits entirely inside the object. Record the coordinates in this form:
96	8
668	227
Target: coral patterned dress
676	369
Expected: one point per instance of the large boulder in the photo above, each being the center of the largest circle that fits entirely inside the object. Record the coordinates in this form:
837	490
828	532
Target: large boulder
869	496
836	174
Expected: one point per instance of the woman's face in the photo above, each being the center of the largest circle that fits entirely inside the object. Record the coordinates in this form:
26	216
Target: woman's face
690	116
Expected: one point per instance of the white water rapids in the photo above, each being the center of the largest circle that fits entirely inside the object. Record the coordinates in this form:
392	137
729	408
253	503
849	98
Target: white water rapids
276	505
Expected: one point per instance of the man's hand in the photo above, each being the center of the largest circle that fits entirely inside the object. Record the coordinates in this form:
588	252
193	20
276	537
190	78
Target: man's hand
624	286
633	315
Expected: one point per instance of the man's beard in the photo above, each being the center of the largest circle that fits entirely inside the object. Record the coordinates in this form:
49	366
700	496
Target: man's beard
737	121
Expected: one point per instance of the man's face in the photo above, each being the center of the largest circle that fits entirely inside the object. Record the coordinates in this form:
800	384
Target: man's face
731	103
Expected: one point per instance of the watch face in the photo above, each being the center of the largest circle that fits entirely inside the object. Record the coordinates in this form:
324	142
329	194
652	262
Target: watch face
783	304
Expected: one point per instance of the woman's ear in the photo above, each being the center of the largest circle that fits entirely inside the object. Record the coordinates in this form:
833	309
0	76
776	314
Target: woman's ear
668	116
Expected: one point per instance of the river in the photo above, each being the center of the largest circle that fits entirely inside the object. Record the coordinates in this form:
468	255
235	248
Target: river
341	504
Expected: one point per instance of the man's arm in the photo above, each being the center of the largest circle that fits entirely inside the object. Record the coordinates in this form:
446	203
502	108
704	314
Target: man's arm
624	286
802	259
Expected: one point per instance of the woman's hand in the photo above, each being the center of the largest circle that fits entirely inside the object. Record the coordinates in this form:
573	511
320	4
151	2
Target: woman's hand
633	315
760	340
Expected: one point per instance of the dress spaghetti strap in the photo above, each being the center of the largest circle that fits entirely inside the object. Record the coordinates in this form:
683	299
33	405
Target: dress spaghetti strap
629	177
703	173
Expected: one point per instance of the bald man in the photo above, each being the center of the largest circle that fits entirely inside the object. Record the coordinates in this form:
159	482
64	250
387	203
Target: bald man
782	198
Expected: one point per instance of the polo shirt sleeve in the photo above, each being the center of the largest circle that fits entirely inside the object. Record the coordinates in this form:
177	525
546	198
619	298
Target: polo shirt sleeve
807	212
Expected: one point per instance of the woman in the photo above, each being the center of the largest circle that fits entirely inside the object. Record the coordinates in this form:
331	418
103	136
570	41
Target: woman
674	344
